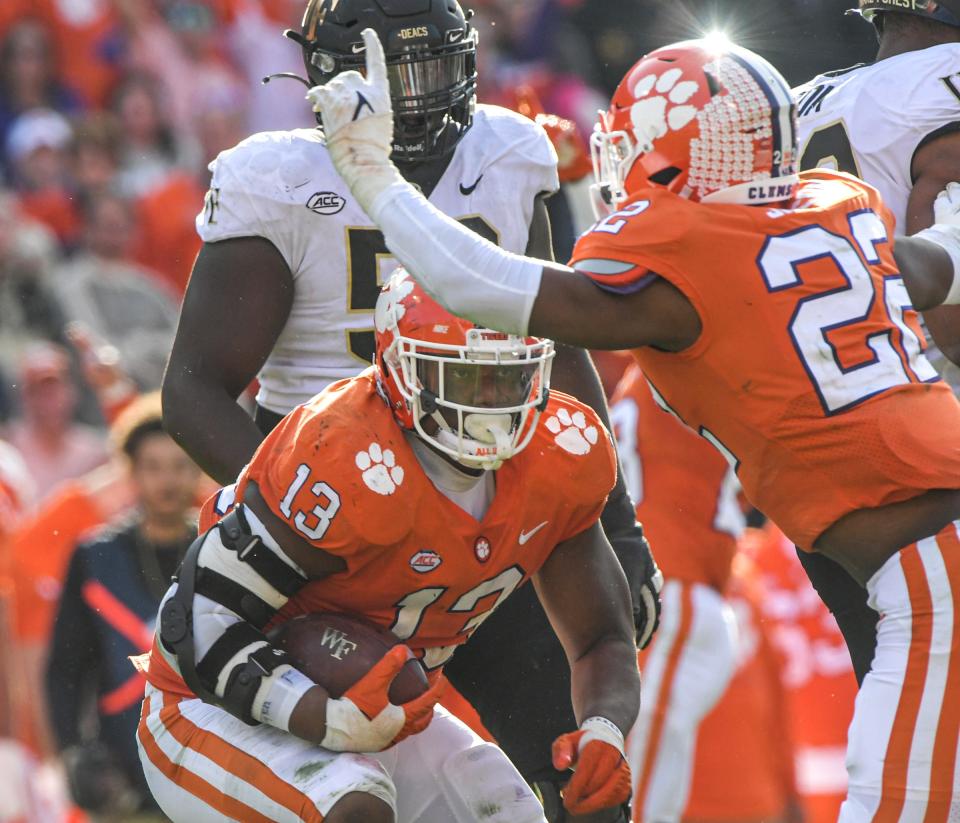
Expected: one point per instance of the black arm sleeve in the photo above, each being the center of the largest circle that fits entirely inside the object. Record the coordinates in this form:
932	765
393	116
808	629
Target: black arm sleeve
74	658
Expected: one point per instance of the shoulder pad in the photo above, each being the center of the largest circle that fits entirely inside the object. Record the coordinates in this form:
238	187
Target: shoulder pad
572	442
506	132
338	469
273	164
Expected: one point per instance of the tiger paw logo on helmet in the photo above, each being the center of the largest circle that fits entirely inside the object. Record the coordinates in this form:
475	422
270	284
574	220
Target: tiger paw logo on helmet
379	469
572	432
653	114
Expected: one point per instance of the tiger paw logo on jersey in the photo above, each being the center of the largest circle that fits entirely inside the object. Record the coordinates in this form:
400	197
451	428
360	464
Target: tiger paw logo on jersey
379	469
572	433
390	306
650	114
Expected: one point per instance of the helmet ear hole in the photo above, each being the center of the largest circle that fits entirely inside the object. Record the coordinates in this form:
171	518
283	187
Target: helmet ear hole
666	176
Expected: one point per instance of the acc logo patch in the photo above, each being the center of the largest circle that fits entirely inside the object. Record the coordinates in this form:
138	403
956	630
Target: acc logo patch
326	202
379	469
425	561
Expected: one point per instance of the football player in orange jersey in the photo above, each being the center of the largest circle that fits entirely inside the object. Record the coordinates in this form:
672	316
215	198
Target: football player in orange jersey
418	494
686	498
772	312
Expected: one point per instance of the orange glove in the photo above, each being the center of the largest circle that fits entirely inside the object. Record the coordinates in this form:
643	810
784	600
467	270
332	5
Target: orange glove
364	719
601	777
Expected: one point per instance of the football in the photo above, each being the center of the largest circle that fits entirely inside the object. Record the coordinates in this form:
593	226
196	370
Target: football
336	650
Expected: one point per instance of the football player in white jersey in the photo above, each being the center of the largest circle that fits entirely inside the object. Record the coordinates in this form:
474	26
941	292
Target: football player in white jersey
895	123
285	286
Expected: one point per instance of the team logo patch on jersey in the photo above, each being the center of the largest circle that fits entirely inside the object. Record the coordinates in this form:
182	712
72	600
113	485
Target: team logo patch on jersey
425	561
326	202
572	432
481	548
379	469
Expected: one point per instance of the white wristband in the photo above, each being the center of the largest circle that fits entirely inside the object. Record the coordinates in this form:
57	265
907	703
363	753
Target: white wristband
599	728
947	237
278	695
468	274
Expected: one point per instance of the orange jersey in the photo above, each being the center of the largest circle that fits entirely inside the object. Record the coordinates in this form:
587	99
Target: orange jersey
684	490
817	673
808	371
340	472
744	760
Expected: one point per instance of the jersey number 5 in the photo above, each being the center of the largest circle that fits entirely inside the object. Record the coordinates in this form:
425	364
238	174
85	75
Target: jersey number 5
839	311
365	248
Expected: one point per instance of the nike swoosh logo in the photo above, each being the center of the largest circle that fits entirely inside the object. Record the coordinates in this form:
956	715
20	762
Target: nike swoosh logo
356	48
466	191
525	536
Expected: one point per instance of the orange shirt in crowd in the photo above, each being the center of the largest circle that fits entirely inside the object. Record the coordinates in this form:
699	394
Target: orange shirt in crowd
817	674
684	490
40	549
169	240
743	768
87	38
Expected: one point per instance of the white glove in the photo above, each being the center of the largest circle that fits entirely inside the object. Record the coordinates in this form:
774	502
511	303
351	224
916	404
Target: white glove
358	124
945	232
946	208
364	719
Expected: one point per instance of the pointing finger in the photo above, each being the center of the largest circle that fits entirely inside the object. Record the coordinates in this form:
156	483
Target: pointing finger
376	62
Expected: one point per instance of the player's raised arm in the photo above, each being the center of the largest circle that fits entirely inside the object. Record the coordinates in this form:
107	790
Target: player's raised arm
469	275
474	278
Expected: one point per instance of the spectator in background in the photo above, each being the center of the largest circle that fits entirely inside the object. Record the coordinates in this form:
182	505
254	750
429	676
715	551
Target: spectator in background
28	310
168	240
177	42
117	299
148	147
53	446
89	45
113	589
27	75
94	154
37	144
257	47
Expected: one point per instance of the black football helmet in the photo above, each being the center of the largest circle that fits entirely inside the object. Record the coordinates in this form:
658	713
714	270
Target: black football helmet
940	11
431	62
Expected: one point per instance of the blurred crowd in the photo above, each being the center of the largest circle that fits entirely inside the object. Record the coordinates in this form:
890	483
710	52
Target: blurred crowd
110	111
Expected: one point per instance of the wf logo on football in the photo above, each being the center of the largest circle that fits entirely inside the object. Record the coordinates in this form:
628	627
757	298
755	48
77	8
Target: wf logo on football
337	642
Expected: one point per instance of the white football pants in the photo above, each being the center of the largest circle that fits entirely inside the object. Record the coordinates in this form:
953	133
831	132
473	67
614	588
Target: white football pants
205	766
688	667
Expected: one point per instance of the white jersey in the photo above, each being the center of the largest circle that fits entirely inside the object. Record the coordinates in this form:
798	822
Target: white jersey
282	186
871	120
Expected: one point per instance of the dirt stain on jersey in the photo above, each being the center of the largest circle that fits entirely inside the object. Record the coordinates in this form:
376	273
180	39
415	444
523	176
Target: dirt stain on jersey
308	770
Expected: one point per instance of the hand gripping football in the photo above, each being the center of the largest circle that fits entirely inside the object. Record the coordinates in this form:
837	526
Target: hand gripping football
336	650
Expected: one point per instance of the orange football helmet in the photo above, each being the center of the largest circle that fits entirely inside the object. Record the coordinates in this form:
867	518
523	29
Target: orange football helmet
473	393
708	120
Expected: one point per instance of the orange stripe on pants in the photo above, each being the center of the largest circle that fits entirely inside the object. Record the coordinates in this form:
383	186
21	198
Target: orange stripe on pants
663	699
235	761
190	782
897	759
948	724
